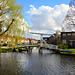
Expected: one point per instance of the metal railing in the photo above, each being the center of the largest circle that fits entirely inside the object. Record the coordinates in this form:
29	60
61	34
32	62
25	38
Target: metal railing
50	46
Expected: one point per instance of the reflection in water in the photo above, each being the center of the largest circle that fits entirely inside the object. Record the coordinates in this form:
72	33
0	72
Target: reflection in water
36	64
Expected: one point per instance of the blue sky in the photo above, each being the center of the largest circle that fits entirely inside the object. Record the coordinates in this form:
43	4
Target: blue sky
44	15
37	3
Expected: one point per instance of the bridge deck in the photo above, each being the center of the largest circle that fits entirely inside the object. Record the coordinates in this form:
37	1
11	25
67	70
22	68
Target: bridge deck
56	50
28	46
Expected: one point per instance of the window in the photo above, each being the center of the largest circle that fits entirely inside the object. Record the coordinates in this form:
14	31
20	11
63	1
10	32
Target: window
68	34
64	34
73	33
64	41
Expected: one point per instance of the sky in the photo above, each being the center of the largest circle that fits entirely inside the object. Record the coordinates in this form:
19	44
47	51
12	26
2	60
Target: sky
44	16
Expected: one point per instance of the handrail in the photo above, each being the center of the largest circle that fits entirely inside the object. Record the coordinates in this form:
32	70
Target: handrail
49	45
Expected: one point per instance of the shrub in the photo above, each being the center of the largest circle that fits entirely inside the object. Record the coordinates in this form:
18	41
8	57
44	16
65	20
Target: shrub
63	46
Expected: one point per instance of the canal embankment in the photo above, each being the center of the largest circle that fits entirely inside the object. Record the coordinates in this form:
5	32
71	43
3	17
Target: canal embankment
20	49
65	51
11	49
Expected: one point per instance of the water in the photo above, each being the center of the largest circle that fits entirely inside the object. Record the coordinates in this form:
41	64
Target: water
36	64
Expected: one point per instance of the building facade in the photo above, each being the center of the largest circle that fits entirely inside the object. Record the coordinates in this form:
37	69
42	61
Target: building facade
68	38
9	39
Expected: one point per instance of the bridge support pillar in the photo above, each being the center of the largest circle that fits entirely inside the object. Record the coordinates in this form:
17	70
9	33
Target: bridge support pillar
15	50
29	50
40	50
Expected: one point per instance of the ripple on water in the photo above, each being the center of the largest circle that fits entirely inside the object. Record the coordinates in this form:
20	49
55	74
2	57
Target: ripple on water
36	64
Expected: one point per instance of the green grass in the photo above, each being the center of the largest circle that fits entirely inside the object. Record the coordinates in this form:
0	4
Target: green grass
70	49
67	52
23	48
6	50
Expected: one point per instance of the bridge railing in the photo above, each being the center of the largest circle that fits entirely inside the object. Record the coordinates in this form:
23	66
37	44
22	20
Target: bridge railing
50	46
54	46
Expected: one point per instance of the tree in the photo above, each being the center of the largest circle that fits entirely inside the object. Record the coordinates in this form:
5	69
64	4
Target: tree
56	35
69	21
11	19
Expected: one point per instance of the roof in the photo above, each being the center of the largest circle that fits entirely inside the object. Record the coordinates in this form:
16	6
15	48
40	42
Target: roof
6	35
46	38
67	32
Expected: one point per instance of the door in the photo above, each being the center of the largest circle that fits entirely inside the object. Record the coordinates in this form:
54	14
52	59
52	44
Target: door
74	44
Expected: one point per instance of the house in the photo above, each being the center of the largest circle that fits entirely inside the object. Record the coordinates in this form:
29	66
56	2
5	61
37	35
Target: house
50	40
68	38
53	39
6	38
9	39
46	39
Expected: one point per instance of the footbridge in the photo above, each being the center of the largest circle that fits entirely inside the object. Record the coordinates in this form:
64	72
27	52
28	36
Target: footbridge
43	44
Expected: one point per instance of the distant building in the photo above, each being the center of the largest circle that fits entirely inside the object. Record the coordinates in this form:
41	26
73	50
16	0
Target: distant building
68	38
46	39
53	39
5	38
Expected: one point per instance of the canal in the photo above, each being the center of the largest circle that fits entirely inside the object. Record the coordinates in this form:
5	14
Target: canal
24	63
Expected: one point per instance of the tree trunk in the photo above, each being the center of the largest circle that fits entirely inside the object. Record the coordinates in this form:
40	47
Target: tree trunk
0	26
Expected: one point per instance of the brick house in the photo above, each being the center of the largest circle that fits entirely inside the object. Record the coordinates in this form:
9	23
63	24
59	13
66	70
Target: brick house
68	38
4	39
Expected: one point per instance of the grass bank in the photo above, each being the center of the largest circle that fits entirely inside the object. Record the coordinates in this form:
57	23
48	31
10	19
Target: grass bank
71	49
10	49
6	50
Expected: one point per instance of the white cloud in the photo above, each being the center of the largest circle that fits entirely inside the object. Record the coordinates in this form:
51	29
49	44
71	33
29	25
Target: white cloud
46	19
